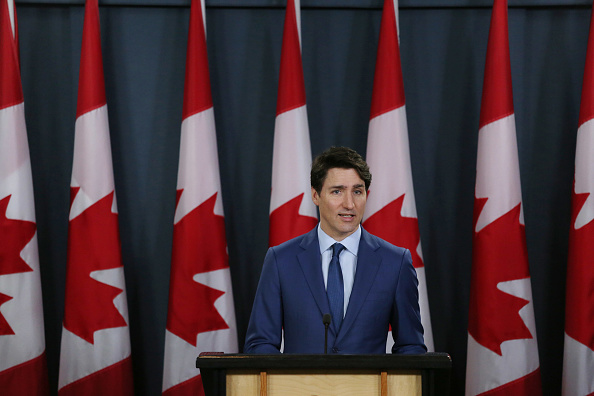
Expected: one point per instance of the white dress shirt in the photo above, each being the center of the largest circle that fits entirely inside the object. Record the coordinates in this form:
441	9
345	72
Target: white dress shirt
347	258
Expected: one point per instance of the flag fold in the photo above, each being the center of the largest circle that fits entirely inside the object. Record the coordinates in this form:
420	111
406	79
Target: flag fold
502	349
201	315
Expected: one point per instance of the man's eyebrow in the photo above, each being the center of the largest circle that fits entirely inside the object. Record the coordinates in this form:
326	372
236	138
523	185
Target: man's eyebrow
343	187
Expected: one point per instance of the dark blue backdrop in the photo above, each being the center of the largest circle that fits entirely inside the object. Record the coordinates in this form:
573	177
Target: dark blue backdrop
443	45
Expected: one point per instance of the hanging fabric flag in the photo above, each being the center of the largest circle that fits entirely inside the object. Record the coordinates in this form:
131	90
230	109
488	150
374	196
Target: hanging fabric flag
391	211
201	316
292	211
23	368
578	359
502	348
95	356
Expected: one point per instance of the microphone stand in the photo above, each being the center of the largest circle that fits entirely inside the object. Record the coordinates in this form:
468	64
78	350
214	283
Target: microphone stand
326	319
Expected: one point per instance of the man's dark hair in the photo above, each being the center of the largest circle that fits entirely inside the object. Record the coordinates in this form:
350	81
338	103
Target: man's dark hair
338	157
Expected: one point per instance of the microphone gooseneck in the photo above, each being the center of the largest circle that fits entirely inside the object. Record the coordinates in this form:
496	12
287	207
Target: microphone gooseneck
326	319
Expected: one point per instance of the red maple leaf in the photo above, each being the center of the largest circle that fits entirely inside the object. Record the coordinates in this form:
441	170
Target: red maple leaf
93	245
199	245
580	278
286	222
16	234
5	328
498	255
389	224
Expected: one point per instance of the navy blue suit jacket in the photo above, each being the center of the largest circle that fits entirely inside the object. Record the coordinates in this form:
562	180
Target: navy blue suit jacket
291	295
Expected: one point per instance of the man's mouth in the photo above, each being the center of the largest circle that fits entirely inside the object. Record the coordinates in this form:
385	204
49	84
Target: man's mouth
346	216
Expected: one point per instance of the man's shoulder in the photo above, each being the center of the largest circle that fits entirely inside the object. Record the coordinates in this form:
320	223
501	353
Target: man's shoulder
302	240
382	245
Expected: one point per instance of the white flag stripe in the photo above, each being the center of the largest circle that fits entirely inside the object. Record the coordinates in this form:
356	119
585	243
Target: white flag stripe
11	16
199	175
291	161
584	171
24	312
114	277
397	15
499	171
425	314
180	357
390	163
578	366
298	18
19	186
13	141
486	370
82	358
92	170
424	306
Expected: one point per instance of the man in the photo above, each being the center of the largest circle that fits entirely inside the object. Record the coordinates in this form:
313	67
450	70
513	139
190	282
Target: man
369	285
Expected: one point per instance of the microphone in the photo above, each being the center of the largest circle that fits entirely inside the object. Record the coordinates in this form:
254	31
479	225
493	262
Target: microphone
327	318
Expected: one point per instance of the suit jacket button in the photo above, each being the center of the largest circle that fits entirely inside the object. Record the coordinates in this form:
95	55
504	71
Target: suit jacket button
335	350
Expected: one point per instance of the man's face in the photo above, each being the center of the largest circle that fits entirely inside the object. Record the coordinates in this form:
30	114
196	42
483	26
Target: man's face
341	201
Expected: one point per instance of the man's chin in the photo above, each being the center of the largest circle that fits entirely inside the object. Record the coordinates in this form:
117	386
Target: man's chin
346	231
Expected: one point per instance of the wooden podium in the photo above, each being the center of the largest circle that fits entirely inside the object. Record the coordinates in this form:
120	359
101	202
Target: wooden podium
325	375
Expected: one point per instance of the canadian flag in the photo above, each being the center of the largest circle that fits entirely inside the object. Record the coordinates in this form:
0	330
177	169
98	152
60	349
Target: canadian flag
391	212
292	211
95	350
23	369
201	316
502	349
578	359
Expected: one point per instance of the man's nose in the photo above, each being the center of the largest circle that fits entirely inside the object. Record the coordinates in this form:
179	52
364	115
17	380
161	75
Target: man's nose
348	201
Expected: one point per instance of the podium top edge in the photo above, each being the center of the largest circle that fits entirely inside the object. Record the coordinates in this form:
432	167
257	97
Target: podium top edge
320	361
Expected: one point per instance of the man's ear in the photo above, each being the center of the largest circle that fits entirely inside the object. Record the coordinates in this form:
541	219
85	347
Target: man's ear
315	197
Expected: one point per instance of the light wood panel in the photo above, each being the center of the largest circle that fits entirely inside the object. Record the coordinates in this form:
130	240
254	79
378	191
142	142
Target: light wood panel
327	383
243	383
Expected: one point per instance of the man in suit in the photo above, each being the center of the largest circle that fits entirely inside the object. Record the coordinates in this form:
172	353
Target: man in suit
338	268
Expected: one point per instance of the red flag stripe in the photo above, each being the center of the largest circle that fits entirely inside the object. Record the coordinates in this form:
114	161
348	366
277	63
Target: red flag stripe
91	84
197	94
527	385
191	387
388	91
291	85
497	99
11	92
112	380
29	378
587	103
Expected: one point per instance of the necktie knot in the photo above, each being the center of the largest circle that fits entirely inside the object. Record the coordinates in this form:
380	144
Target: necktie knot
336	249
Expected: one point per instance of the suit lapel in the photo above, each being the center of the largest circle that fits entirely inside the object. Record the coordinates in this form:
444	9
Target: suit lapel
310	261
368	262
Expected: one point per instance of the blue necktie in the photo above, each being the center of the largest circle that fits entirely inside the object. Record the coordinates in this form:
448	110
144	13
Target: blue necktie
335	287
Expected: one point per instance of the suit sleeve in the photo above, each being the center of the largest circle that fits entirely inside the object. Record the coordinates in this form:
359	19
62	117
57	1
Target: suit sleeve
407	329
264	331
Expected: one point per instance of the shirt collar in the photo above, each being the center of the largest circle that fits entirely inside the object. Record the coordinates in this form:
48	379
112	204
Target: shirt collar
351	243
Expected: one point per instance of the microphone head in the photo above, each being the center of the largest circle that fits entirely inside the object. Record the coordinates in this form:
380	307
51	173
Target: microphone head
327	319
